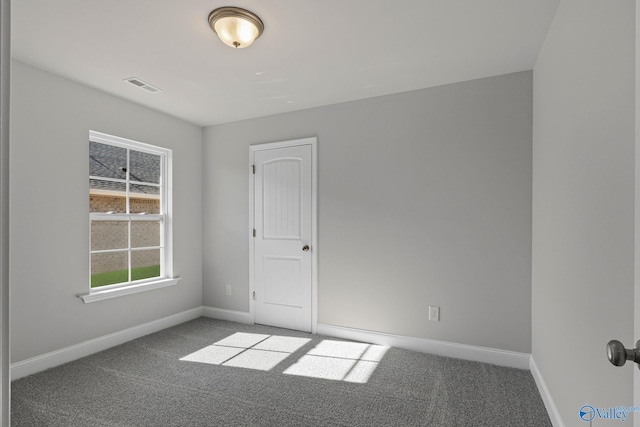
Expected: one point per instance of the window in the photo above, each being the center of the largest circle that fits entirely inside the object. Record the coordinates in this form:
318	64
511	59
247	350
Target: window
129	209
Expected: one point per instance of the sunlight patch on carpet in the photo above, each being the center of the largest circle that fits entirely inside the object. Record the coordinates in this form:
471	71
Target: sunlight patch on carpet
329	360
257	359
213	355
339	360
242	340
251	351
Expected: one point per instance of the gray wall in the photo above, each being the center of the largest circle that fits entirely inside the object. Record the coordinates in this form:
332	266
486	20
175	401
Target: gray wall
51	119
583	204
424	198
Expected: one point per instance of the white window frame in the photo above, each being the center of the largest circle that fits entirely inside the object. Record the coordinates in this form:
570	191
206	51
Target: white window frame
165	217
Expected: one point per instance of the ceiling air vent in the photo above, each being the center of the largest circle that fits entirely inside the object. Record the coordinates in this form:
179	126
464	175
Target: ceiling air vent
143	85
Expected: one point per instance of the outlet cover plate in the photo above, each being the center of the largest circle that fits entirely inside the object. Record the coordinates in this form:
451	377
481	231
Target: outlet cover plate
434	313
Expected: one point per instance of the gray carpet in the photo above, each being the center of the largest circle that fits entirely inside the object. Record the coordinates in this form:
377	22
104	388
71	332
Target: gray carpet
241	375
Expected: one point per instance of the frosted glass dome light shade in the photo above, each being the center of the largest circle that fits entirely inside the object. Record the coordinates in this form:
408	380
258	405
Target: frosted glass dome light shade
236	27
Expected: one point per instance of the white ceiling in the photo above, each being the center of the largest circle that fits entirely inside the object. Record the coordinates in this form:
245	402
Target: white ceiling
312	52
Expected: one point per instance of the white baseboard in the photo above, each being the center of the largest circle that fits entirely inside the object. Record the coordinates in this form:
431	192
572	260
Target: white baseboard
441	348
230	315
552	409
86	348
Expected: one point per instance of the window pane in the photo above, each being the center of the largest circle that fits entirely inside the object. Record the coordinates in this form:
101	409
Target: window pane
107	161
107	196
145	264
144	198
109	235
144	167
109	268
145	234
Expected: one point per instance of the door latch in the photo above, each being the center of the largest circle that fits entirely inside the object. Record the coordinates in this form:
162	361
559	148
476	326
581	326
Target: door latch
618	355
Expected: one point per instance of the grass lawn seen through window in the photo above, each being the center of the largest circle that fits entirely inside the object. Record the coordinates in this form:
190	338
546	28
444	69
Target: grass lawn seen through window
122	276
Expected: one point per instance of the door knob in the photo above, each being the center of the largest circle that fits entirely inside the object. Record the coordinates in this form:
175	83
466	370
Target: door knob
305	248
618	355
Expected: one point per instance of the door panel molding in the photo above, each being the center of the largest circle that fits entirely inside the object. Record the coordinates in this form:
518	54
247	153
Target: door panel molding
253	149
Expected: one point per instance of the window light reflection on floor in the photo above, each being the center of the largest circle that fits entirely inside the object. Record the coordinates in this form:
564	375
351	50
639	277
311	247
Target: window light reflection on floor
331	360
339	360
252	351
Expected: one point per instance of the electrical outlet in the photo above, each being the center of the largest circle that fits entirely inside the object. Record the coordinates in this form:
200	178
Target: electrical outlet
227	290
434	313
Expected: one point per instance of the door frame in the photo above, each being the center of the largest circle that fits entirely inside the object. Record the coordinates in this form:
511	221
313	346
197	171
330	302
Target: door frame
313	142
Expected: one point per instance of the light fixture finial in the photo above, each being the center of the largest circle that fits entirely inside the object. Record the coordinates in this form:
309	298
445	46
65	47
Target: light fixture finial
236	27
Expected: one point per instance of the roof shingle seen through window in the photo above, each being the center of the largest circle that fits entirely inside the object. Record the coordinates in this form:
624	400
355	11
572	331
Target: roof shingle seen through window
108	161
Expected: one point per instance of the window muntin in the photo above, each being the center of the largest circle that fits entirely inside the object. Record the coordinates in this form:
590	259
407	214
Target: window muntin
129	203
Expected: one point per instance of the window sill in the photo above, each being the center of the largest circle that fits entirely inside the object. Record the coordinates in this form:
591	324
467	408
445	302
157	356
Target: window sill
99	295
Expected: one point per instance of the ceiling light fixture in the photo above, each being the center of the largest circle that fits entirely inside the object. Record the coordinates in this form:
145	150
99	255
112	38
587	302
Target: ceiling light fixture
236	27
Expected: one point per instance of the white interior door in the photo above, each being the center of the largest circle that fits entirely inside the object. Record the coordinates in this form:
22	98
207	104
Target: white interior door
284	241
